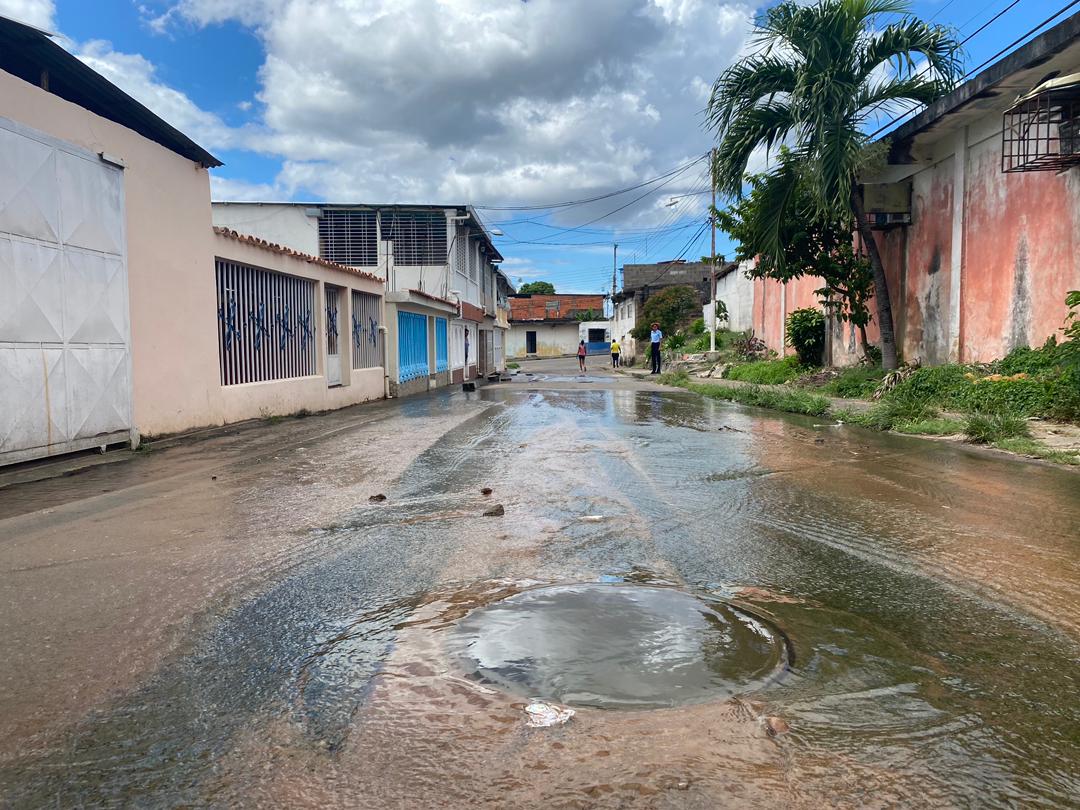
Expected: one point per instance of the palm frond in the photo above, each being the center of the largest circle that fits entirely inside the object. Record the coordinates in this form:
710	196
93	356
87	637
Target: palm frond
765	125
883	96
746	84
899	43
777	196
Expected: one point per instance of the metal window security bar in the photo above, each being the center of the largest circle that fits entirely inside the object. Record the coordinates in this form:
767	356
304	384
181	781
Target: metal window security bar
1041	131
419	237
412	346
366	341
266	324
349	237
442	358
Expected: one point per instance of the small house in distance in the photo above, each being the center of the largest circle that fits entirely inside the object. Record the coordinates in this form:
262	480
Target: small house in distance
551	325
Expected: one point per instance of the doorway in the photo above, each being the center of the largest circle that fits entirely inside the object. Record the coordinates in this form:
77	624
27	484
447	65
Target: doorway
530	343
333	344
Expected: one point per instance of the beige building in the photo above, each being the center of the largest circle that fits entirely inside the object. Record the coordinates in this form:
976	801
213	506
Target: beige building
116	307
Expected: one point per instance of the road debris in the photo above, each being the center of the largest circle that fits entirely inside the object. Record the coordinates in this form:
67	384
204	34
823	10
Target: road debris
377	498
544	715
486	491
495	511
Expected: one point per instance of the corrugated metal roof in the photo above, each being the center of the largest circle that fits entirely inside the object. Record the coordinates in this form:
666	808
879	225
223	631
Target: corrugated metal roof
30	54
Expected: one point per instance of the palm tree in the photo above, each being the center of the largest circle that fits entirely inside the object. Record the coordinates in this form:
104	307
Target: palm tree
819	73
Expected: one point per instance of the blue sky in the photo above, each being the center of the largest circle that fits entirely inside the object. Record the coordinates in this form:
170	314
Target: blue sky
497	103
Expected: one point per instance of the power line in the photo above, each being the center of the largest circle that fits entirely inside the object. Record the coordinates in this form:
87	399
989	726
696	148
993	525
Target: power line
986	62
584	201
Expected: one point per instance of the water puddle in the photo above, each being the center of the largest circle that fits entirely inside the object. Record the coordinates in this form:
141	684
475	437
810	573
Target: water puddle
617	646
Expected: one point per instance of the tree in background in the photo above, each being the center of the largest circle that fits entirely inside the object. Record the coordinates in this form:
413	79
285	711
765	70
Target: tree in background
810	245
674	308
537	288
819	75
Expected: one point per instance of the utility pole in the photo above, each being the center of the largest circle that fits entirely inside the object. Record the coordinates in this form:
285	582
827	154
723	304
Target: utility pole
614	266
712	254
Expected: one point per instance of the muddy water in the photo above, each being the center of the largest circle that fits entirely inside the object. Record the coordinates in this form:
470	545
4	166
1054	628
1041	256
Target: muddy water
929	596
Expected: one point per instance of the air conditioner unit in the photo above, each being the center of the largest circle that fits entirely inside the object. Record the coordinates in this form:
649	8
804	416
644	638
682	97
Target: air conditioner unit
888	220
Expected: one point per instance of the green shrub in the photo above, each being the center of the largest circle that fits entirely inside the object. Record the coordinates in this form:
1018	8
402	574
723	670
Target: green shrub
987	428
697	327
898	408
767	372
930	427
806	335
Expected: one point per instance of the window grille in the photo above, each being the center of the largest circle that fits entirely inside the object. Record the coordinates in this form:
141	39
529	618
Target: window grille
349	237
472	261
461	242
419	237
366	340
412	346
1041	131
266	324
441	355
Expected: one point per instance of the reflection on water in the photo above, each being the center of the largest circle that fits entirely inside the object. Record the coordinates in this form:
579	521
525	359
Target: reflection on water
931	596
617	646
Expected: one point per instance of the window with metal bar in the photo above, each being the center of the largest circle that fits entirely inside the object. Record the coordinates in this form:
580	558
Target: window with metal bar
366	340
266	324
442	359
412	346
419	237
349	237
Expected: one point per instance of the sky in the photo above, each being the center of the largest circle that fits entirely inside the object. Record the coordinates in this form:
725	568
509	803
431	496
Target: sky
513	106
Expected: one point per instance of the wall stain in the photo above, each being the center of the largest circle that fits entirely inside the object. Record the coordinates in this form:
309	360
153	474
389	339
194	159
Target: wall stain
1020	314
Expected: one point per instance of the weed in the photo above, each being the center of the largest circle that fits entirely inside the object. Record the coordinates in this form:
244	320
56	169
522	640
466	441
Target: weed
857	382
1029	447
790	400
677	378
988	428
513	365
931	427
767	372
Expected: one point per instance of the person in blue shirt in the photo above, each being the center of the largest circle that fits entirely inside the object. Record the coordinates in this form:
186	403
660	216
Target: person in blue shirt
655	336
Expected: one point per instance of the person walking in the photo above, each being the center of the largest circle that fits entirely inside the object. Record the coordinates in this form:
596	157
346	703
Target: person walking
581	356
655	336
616	350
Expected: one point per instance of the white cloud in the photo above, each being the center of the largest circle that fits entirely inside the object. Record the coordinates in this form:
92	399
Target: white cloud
39	13
469	100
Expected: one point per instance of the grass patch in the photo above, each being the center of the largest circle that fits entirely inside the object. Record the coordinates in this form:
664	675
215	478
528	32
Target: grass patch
768	372
1029	447
858	382
778	399
513	365
989	428
940	426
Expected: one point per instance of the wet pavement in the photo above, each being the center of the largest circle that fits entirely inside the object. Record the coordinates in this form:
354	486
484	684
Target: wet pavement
744	609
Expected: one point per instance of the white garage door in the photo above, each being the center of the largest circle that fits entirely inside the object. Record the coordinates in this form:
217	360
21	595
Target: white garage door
65	365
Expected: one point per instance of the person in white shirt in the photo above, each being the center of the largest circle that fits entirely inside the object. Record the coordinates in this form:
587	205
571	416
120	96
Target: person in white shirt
654	338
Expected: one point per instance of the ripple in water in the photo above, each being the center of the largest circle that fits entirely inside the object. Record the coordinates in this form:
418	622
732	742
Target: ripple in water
617	647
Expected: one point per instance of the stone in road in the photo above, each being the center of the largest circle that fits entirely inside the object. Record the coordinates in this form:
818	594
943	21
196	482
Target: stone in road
233	622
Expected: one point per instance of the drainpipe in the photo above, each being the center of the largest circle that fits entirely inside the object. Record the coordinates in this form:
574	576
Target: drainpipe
385	369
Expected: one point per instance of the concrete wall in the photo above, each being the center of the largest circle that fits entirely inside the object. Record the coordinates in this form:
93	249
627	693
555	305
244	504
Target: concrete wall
552	339
622	322
232	403
971	281
169	249
288	225
737	293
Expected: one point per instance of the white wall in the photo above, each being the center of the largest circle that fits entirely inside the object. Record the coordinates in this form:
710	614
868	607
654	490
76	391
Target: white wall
286	225
552	339
624	320
737	293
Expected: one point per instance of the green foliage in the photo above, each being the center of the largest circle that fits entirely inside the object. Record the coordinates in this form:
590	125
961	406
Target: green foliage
806	335
513	365
588	315
1029	447
789	400
749	347
675	342
897	409
537	288
987	428
857	382
698	327
940	426
767	372
673	308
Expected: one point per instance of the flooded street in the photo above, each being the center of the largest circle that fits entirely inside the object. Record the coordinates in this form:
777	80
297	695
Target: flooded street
743	608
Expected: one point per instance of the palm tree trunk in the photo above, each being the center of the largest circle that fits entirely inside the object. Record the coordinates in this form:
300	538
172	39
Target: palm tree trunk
881	284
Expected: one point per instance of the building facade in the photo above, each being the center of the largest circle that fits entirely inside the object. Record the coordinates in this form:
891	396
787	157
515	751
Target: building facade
978	259
549	325
440	268
121	314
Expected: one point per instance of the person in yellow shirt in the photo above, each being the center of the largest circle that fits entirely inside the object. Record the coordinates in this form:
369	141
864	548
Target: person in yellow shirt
616	350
